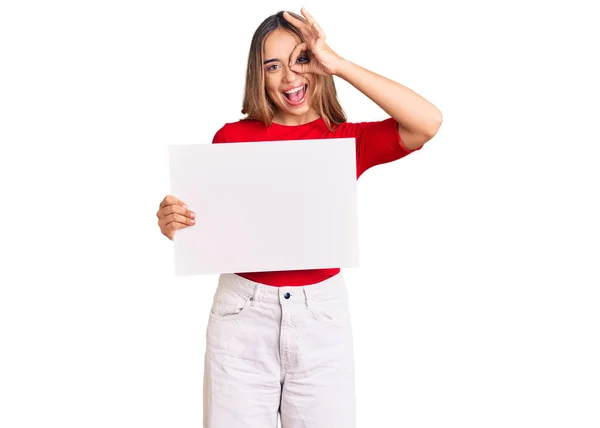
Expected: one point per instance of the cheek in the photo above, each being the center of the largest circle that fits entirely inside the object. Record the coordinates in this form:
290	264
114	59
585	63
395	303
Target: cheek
312	86
272	92
271	86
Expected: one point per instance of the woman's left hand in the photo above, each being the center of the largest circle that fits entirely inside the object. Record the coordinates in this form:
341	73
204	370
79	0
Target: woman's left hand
322	60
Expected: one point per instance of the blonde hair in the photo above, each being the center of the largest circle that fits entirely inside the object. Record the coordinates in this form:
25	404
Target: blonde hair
257	104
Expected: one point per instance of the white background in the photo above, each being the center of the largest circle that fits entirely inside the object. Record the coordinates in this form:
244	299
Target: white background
476	302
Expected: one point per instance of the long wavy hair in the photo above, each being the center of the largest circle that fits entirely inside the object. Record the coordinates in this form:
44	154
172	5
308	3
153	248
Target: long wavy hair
257	104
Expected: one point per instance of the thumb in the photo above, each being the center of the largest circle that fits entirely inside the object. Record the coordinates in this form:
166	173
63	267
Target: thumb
300	68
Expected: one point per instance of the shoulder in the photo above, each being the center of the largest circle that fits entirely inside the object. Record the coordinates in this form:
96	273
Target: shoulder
358	129
231	131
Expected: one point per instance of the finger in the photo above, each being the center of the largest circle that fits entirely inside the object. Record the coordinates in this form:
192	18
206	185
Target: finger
318	31
169	209
292	19
177	218
301	25
175	210
170	200
301	68
307	16
301	47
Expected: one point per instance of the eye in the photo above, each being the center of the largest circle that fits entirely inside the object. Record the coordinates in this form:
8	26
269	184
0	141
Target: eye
303	59
272	67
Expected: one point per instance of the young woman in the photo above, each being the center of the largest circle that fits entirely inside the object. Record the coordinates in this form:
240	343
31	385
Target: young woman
281	342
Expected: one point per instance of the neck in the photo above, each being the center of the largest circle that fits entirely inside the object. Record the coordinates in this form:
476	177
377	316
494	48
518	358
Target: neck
292	120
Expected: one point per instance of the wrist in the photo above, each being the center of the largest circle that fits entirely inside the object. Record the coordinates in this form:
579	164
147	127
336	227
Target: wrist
342	68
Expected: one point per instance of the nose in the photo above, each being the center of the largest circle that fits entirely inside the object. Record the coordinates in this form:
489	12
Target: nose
289	75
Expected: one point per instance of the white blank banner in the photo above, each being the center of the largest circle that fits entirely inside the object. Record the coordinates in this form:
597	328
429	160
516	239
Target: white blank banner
266	206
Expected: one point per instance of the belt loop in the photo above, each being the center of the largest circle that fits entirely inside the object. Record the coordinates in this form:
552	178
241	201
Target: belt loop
306	298
254	294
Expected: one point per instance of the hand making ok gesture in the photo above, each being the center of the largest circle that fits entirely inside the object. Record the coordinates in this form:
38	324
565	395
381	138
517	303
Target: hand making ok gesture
322	60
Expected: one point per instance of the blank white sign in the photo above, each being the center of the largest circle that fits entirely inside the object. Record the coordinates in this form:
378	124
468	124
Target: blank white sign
266	206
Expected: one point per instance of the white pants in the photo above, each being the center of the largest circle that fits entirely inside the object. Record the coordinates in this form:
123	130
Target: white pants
285	350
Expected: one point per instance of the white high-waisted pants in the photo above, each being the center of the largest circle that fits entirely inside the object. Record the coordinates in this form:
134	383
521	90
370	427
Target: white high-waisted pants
285	350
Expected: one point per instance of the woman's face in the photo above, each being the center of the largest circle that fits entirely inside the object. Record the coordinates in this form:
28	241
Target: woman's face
291	92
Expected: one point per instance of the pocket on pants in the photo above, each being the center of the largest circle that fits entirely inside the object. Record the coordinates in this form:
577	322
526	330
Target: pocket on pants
334	311
229	305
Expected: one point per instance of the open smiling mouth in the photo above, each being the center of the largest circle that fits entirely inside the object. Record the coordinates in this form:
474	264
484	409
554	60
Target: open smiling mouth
296	96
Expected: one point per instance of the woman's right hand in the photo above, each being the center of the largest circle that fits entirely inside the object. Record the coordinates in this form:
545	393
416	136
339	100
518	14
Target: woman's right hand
173	214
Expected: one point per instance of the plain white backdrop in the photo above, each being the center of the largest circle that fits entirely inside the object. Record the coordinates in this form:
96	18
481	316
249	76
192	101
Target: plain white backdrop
476	301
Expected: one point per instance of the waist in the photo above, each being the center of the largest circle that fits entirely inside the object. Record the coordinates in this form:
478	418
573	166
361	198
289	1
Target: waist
290	278
331	288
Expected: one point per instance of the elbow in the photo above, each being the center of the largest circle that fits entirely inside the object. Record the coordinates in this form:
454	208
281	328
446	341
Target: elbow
435	125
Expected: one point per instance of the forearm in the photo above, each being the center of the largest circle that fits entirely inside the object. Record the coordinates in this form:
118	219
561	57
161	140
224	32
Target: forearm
408	108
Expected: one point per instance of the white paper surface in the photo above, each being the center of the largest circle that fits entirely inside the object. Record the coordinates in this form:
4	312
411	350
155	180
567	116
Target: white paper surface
266	206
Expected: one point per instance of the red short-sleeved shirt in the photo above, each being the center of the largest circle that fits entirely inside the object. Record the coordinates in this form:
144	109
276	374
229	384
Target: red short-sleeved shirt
376	143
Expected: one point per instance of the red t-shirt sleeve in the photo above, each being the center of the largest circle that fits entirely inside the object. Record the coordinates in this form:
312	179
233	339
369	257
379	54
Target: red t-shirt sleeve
376	143
219	136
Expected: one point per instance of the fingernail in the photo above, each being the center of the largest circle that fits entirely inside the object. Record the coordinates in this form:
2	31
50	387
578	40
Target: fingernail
193	221
185	206
193	215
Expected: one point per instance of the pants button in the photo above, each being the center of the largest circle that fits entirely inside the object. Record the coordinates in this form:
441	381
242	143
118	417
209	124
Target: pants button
287	295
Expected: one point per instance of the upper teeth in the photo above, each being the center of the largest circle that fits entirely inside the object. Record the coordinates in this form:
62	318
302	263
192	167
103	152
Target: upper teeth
291	91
